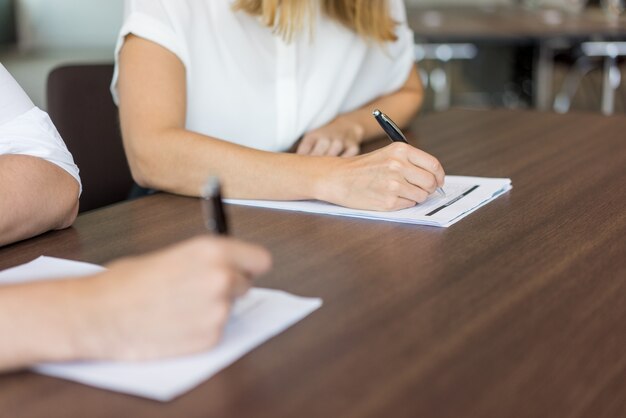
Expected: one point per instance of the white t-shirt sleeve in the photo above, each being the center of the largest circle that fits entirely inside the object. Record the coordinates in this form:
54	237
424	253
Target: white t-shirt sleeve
27	130
148	19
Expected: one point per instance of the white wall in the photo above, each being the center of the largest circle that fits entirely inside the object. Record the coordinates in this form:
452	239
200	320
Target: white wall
55	32
68	23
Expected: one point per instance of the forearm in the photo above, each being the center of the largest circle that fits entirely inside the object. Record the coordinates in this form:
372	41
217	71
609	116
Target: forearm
37	324
164	155
180	161
35	196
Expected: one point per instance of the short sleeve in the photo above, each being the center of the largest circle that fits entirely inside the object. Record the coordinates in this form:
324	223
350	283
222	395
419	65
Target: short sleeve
148	19
33	133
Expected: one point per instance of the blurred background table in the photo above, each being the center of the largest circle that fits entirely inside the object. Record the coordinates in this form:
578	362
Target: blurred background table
542	33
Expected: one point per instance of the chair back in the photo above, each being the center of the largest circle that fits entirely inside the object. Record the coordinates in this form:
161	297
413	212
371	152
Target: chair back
81	107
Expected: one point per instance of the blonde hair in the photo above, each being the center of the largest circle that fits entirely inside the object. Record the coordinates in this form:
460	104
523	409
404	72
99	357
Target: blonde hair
368	18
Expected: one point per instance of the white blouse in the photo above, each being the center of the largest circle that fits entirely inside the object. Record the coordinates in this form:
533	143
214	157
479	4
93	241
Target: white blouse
248	86
27	130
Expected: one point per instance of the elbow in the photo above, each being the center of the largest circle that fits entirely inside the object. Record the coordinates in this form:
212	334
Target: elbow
68	208
69	216
150	166
140	161
141	157
139	176
417	99
414	89
143	171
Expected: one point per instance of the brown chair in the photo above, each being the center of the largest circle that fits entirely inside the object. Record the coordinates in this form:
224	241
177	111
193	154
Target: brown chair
80	105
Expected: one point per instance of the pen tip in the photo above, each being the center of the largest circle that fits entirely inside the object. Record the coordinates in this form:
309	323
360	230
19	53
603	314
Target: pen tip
376	112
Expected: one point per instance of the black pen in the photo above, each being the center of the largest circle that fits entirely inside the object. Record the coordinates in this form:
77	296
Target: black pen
213	207
394	133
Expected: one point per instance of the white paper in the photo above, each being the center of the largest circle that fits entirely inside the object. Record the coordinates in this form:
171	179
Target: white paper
257	317
486	190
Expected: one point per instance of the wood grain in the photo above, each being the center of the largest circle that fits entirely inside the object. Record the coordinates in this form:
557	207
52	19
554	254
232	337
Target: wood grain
517	311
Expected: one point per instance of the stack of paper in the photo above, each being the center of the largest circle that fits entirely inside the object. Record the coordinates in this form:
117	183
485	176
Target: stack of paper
256	318
463	196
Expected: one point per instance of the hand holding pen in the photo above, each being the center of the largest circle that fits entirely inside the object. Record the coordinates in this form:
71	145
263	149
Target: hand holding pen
395	134
215	219
391	178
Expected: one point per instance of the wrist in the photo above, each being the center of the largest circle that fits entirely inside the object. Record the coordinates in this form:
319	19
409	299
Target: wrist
86	313
322	177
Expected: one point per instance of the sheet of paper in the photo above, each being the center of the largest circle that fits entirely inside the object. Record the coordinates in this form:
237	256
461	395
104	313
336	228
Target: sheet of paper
257	317
464	195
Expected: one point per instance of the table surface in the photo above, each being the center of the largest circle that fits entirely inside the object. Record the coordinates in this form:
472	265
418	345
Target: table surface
509	23
518	310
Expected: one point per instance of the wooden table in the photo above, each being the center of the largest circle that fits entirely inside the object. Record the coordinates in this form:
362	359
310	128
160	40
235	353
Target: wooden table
517	311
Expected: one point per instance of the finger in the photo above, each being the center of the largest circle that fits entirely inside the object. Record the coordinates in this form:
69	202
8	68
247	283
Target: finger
221	313
351	150
250	259
404	203
426	161
321	146
224	283
411	192
394	203
241	284
421	178
336	147
306	145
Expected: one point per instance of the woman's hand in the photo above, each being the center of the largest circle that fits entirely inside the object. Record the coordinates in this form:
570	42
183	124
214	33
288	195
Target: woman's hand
170	303
396	177
340	138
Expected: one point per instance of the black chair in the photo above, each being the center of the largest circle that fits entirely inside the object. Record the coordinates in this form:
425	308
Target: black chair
80	105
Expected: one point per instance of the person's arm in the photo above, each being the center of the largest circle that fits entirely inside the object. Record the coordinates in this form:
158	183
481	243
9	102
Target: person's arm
164	155
170	303
344	135
35	196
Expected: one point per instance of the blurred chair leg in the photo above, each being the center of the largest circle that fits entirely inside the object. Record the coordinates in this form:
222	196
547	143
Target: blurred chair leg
544	68
439	78
612	76
440	83
579	70
424	76
610	83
